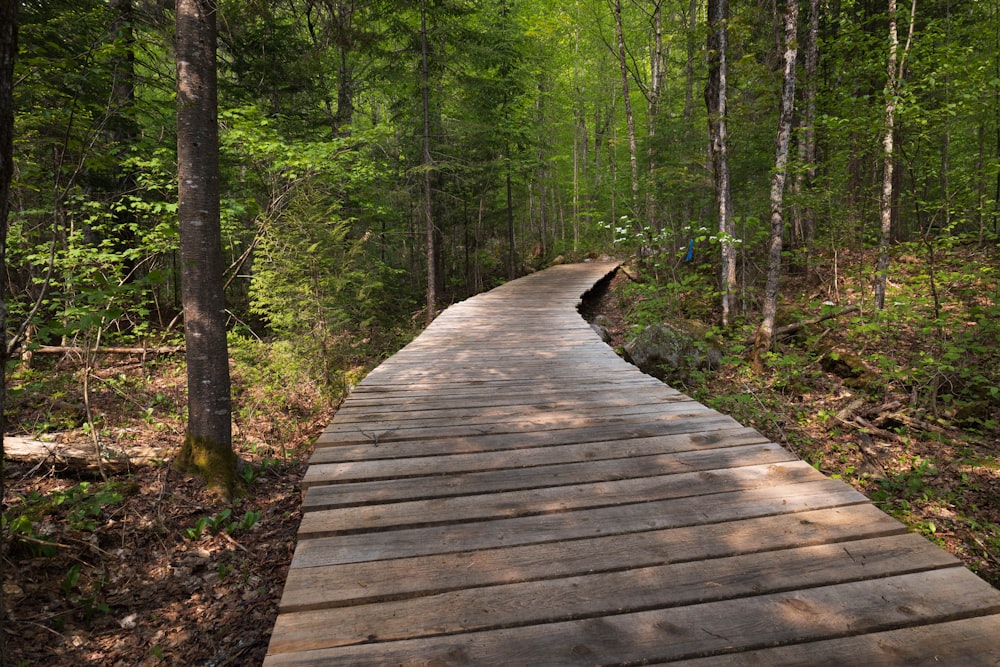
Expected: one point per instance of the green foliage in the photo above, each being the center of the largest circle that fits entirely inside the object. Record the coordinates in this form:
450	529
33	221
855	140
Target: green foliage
223	521
80	508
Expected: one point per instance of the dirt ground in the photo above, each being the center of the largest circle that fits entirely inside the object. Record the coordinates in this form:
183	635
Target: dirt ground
149	568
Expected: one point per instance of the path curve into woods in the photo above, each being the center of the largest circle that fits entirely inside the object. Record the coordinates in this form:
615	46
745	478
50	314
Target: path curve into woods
506	491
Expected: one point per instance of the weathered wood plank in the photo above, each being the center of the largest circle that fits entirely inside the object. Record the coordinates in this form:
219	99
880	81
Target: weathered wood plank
615	520
354	466
491	473
707	428
597	594
502	405
358	583
690	631
970	642
378	433
549	500
509	415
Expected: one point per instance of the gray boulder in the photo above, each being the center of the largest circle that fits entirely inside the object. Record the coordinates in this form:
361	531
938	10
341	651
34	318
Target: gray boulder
673	348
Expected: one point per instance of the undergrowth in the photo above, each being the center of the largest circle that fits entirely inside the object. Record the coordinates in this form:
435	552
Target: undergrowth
903	404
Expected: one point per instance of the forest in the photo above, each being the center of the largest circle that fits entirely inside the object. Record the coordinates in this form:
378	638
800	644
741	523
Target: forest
756	164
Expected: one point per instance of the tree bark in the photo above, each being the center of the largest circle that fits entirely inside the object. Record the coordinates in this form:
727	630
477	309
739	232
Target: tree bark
207	449
885	202
8	51
806	215
658	72
629	119
894	72
428	200
716	95
766	329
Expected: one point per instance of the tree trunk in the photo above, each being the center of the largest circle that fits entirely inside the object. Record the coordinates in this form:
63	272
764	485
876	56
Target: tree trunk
766	329
657	77
208	449
8	50
806	216
894	72
344	17
629	120
885	202
716	100
428	201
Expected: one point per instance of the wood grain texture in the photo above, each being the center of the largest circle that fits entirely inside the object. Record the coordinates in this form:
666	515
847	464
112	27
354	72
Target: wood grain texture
507	491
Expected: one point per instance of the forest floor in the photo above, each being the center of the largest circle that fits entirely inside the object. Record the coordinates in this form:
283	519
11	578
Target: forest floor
148	568
927	457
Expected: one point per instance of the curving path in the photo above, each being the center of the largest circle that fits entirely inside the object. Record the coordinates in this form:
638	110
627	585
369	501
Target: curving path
507	491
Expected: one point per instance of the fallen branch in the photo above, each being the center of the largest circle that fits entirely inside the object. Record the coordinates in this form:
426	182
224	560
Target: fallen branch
71	349
77	456
792	328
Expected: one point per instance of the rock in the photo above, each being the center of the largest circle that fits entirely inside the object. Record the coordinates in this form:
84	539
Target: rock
557	261
673	348
601	331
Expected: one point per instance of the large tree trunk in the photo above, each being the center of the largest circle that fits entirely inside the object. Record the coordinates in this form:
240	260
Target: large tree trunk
766	329
716	95
8	50
207	449
629	119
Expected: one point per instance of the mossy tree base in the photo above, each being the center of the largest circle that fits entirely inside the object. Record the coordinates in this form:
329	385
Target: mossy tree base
214	462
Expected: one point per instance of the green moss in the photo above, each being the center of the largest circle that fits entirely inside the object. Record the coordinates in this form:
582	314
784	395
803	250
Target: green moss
214	462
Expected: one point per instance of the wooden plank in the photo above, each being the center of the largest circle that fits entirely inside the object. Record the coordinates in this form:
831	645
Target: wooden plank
397	482
690	631
704	428
511	414
971	642
598	594
358	583
361	433
350	464
548	500
462	397
616	520
502	404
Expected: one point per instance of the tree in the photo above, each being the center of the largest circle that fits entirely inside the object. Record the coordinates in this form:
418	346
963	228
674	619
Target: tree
8	50
616	8
429	230
207	448
894	73
716	94
766	329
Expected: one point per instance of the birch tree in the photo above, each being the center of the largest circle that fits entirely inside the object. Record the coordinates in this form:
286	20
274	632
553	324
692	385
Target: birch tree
716	94
894	73
766	329
616	9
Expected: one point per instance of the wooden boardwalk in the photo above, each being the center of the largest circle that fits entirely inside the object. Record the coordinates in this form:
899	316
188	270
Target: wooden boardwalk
507	491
